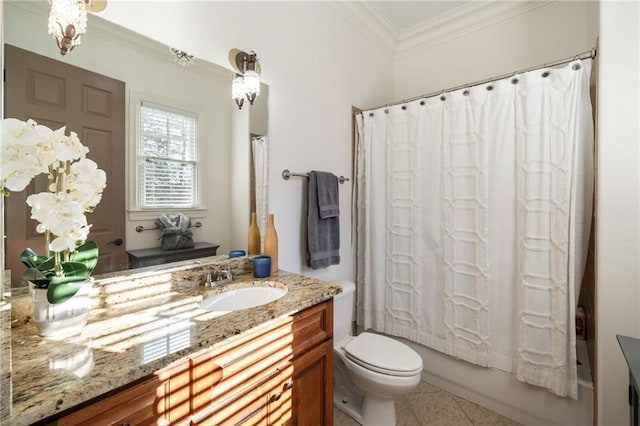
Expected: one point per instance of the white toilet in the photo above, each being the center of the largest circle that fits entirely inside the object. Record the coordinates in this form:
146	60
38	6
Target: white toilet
370	370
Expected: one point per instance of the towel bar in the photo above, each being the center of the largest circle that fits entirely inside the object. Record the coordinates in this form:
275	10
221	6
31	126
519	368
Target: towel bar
141	228
286	174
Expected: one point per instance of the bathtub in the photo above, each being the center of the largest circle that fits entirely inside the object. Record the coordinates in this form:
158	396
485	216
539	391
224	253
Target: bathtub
502	393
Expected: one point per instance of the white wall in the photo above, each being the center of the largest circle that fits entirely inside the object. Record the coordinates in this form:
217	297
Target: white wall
551	32
316	65
618	212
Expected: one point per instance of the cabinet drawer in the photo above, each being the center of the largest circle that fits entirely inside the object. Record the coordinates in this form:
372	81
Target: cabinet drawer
303	330
135	405
216	379
250	406
149	402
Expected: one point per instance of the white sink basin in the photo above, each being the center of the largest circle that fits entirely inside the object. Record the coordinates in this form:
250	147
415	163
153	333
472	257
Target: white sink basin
242	298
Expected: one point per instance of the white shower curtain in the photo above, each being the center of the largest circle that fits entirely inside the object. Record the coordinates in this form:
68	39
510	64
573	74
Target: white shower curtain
260	149
473	215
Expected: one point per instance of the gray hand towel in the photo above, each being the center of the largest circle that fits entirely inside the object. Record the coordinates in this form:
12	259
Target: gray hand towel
323	235
328	196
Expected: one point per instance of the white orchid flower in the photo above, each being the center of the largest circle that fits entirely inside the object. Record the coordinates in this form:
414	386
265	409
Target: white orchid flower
29	149
68	148
86	182
69	241
17	132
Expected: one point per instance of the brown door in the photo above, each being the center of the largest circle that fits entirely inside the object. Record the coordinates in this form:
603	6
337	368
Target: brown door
56	94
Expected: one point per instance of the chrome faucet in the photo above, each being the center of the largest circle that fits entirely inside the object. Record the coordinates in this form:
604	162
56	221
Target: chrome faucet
223	275
218	276
208	280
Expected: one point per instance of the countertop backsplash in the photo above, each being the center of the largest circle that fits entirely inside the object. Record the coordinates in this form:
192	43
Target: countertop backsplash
124	286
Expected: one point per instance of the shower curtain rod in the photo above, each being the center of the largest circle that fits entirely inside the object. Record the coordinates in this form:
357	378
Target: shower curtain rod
584	55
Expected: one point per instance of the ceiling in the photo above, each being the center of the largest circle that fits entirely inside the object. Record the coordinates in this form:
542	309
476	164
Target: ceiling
401	28
406	14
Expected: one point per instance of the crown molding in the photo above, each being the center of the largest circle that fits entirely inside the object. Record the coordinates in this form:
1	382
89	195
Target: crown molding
112	32
367	18
467	18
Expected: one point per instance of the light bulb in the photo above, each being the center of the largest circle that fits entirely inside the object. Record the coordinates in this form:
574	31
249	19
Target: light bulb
238	90
251	85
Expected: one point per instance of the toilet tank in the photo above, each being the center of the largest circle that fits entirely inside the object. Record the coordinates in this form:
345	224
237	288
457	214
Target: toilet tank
344	310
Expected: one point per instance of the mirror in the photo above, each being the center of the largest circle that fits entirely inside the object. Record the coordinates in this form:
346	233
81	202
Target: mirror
148	69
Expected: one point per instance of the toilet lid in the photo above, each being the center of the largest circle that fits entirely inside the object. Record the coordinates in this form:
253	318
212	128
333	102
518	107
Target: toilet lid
384	355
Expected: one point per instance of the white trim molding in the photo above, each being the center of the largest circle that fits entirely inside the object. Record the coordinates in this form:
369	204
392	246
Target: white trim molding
457	22
368	19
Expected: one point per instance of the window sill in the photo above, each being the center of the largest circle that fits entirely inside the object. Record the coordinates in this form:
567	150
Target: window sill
153	214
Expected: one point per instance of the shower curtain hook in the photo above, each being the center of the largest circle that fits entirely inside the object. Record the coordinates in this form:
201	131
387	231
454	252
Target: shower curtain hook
546	71
490	85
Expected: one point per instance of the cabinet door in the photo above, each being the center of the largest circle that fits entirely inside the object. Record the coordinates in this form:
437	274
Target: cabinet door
312	387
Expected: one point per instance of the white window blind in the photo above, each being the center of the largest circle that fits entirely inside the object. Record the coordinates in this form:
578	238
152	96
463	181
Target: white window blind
168	157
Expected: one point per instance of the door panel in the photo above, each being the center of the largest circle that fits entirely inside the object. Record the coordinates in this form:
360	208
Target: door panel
56	94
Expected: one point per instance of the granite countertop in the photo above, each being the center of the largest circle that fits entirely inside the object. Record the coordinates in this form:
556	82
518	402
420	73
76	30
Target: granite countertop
138	325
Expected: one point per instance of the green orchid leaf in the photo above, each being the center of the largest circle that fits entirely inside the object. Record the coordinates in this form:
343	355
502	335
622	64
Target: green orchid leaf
48	266
41	271
87	254
31	259
75	270
35	276
62	289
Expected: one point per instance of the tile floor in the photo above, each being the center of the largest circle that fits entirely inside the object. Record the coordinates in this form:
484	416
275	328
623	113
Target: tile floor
430	405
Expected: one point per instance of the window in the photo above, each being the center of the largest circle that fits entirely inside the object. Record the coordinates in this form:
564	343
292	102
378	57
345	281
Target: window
167	157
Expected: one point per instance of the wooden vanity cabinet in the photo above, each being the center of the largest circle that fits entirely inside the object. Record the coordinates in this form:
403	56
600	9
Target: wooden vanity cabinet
279	374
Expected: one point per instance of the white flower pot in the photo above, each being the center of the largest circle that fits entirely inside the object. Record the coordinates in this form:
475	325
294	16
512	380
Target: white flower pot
61	320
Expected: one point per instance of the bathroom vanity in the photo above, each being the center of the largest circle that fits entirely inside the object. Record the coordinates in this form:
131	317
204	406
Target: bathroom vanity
151	355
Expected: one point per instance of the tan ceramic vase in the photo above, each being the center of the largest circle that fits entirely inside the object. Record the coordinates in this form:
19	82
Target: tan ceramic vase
271	243
253	240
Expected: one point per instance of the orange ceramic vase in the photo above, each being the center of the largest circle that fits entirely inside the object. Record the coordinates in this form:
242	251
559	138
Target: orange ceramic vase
253	239
271	243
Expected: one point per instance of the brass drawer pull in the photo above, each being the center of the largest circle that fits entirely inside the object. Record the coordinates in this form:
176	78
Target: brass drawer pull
288	385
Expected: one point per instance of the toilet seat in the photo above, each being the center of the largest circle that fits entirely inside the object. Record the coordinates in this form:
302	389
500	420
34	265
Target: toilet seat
383	355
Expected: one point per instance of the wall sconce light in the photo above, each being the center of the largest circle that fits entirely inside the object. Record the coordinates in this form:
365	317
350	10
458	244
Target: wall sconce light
246	83
68	21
